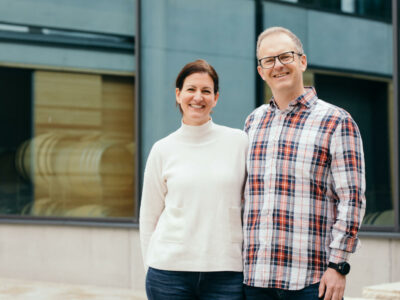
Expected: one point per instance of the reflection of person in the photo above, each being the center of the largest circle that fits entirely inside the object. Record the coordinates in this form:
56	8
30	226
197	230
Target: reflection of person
304	195
190	217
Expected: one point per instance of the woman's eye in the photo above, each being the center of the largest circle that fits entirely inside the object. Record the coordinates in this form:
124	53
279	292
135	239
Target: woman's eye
207	92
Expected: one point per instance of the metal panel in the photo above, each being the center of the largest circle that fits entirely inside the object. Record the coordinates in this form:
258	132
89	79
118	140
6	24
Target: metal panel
396	69
329	38
200	27
139	159
175	32
66	57
291	17
113	17
334	40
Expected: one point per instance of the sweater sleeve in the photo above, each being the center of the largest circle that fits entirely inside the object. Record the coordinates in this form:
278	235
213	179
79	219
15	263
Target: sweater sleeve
152	202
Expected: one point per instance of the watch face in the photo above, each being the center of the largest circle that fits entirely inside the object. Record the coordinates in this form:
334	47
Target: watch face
344	268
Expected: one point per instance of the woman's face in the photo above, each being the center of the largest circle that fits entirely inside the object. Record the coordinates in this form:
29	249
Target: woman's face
197	98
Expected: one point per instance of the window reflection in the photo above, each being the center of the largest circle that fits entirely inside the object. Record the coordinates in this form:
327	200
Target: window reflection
72	151
370	102
376	9
78	175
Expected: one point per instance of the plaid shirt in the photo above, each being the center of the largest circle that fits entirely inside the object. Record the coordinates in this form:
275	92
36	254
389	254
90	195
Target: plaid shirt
304	195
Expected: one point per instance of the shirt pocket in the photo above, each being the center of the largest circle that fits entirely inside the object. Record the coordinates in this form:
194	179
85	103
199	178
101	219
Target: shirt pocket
171	225
235	222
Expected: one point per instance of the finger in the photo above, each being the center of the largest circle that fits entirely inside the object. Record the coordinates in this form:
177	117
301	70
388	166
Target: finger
340	294
321	289
328	293
336	295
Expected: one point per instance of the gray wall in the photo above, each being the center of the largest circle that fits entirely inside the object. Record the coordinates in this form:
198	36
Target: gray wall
336	41
97	16
175	32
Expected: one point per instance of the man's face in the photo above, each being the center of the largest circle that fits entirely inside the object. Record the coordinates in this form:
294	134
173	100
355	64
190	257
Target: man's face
282	79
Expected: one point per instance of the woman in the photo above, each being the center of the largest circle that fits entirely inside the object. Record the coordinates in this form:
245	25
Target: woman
190	217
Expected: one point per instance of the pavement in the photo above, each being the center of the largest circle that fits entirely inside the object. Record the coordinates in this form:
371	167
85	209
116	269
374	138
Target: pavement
15	289
383	291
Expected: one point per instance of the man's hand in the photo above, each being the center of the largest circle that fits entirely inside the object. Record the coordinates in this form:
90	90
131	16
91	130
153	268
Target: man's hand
332	285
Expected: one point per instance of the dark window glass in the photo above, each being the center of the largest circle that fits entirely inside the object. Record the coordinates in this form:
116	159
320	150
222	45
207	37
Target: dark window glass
368	103
375	9
15	128
67	144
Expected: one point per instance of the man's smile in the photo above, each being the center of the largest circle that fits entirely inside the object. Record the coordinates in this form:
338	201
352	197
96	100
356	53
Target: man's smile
280	75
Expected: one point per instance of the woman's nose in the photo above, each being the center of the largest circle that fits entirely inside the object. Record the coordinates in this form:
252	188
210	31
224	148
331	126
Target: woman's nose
198	96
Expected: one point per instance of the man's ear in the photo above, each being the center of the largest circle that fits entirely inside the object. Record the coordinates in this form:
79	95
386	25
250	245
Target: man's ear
303	62
259	69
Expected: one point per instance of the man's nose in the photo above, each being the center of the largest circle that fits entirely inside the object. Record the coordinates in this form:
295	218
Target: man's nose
278	63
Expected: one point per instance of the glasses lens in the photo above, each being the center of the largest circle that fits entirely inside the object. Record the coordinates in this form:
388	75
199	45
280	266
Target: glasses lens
286	58
268	62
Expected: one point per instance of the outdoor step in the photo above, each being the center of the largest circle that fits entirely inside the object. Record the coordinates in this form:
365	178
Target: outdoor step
15	289
383	291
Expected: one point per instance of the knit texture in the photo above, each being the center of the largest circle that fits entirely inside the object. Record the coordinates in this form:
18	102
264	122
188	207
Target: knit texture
190	215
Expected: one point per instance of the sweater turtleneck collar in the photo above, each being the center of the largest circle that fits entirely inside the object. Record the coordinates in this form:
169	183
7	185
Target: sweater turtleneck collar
200	133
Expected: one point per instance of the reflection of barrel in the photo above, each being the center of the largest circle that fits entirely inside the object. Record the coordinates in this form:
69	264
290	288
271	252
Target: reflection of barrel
88	167
84	166
34	158
21	161
49	207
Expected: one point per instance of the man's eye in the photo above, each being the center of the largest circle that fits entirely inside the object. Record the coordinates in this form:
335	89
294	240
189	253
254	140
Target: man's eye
285	57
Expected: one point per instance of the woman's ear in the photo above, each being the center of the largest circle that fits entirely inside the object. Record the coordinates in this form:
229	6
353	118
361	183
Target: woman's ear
216	99
177	94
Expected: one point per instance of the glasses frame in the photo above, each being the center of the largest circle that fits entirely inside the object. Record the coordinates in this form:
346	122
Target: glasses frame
277	57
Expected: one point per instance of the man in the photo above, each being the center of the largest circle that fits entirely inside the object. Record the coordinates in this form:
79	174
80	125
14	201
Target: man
304	196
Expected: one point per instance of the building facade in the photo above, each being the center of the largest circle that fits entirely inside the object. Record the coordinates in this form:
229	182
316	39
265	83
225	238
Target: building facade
87	88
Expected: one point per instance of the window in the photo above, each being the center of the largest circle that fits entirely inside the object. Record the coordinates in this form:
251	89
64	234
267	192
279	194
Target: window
369	100
67	144
375	9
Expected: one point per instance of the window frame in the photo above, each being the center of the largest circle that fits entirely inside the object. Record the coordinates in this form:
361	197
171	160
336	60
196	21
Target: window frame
129	47
331	11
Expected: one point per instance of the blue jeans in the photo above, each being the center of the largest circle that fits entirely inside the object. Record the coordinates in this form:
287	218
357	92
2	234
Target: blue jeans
179	285
255	293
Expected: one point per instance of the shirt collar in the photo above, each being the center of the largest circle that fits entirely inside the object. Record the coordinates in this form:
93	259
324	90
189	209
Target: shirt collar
307	99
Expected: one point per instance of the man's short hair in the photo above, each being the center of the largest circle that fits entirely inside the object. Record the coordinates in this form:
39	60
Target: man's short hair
273	30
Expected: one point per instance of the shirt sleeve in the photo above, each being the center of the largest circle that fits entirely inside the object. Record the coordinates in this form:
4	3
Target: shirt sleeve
348	172
152	202
248	122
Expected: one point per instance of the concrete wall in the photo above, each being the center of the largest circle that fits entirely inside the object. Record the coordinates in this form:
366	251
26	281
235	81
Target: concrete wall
95	256
175	32
64	58
110	257
336	41
96	16
376	261
112	17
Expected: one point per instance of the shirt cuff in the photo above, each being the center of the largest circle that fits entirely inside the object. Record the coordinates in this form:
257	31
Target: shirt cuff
337	256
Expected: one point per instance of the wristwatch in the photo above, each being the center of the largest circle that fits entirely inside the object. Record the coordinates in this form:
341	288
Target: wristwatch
343	267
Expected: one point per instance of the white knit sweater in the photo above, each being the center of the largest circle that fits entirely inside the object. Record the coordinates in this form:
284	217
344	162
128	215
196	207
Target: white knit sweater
190	215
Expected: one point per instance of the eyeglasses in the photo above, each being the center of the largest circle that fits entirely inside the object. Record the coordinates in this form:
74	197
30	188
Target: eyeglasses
285	58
